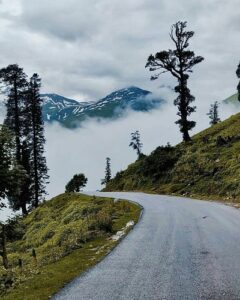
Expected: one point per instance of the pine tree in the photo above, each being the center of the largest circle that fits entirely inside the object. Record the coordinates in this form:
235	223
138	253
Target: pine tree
238	75
15	80
213	113
179	62
12	175
35	140
108	173
136	142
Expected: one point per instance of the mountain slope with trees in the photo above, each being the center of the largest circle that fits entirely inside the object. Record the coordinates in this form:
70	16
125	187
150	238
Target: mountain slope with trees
206	167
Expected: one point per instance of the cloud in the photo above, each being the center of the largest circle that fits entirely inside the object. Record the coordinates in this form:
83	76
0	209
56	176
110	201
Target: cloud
85	149
86	49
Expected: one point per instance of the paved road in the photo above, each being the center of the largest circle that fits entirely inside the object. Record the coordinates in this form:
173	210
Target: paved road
181	249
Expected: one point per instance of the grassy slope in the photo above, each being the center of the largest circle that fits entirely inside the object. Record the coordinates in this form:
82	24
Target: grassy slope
203	168
70	233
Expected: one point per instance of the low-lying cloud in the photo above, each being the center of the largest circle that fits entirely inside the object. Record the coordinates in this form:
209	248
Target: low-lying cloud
85	149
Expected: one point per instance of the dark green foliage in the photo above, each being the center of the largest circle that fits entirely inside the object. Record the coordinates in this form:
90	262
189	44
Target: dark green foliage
157	165
15	80
179	62
238	75
213	113
76	183
35	140
6	161
12	175
107	172
24	119
136	142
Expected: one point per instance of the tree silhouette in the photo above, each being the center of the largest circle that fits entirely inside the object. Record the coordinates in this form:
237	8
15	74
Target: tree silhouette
238	75
213	113
15	80
107	171
76	183
35	140
179	62
136	142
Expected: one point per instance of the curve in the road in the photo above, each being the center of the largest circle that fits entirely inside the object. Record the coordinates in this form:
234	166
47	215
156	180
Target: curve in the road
181	249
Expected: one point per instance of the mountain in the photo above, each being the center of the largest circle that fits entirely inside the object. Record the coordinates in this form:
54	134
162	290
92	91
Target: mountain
58	108
232	100
208	167
71	113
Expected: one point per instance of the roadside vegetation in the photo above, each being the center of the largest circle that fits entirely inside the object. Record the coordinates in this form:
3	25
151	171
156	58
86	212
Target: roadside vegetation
58	241
207	167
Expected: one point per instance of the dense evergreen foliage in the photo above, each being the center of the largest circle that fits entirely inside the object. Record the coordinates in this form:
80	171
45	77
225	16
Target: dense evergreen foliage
76	183
213	113
24	120
15	81
12	175
179	62
34	133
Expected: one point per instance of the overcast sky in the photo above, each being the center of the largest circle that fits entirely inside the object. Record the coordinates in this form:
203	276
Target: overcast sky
86	49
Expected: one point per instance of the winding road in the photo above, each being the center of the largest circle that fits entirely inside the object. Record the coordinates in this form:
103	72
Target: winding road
180	249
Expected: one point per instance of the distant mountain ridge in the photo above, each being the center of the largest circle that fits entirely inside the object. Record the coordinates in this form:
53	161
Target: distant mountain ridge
71	113
232	100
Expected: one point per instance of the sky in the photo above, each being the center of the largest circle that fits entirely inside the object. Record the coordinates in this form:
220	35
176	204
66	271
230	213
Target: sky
86	49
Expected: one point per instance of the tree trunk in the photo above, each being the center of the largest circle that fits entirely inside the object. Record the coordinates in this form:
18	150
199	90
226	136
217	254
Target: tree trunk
4	250
24	209
17	124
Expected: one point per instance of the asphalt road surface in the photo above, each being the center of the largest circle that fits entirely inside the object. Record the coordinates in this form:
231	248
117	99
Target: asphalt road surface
180	249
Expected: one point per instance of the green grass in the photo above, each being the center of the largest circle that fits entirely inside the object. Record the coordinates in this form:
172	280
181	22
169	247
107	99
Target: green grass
205	168
70	233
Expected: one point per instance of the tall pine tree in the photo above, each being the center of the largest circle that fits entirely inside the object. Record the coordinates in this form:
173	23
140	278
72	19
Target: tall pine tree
179	62
16	82
108	173
35	140
213	113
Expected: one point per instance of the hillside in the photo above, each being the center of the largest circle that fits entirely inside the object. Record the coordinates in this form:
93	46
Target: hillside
69	234
208	167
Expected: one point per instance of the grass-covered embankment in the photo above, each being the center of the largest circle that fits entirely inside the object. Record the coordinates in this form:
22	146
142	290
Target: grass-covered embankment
208	167
69	234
